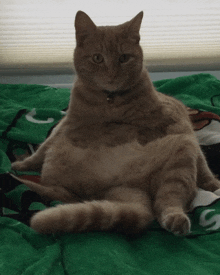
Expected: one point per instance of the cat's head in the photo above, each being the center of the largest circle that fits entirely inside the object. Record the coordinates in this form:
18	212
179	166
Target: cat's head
108	58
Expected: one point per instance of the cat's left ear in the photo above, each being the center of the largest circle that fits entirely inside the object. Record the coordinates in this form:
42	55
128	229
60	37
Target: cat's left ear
84	26
134	26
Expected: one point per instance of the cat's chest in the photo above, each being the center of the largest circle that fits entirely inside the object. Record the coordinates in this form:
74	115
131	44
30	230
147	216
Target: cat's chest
115	137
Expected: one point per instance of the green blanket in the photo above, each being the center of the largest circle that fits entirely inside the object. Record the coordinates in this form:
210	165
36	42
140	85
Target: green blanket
27	115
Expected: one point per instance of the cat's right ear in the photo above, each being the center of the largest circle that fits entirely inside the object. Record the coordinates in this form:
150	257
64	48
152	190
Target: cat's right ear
134	26
84	26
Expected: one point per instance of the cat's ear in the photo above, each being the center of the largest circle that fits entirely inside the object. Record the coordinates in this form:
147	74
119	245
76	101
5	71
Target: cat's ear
135	23
134	26
83	26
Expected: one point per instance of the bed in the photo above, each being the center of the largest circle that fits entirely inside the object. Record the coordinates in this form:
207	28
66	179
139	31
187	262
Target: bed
28	114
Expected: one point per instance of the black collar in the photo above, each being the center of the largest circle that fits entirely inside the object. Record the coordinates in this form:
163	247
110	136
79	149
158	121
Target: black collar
112	94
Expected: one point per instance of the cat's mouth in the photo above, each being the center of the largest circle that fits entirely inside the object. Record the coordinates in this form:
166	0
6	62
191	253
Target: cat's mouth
111	86
113	90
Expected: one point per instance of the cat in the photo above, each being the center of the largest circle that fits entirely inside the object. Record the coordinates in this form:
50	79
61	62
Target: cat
125	154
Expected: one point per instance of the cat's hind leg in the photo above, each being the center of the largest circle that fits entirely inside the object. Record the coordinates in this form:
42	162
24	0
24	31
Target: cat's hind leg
123	209
33	162
49	193
176	187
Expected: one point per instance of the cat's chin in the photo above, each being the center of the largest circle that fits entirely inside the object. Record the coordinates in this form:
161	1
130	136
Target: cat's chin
114	88
111	88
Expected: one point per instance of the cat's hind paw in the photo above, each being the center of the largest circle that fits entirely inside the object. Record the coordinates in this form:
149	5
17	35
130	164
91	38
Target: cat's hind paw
19	165
177	223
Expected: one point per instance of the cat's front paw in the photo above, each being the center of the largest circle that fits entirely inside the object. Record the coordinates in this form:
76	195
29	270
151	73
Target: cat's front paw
18	165
177	223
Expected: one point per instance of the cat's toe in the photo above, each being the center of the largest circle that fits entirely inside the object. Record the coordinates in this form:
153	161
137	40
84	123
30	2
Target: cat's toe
177	223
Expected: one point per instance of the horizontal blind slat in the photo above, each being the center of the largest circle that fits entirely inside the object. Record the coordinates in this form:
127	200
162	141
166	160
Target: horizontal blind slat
40	34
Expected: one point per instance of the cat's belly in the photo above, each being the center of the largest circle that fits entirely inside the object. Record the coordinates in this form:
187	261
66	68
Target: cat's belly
108	165
88	171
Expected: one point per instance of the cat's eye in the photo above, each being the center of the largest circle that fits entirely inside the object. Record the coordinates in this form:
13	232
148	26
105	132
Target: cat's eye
98	58
124	58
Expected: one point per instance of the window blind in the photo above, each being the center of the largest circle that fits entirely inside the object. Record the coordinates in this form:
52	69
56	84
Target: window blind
39	36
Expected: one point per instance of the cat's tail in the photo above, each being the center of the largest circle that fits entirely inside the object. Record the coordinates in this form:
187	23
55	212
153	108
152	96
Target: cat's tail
93	216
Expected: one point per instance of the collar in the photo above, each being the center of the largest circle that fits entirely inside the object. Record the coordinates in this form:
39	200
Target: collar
112	94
